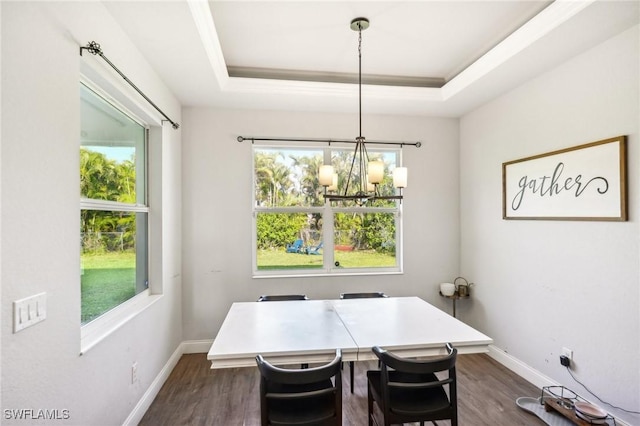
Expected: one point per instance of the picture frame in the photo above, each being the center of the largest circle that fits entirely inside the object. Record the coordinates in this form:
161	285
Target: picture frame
584	182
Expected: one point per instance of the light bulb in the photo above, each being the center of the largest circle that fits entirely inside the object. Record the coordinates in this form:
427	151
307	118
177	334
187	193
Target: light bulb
376	171
400	177
326	175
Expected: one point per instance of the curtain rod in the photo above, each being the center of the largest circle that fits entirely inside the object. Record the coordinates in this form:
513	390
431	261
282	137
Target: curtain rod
94	49
327	141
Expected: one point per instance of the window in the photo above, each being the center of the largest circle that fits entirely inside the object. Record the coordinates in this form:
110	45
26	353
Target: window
113	206
296	233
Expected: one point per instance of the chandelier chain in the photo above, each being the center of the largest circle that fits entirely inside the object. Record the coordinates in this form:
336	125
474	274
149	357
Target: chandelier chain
360	79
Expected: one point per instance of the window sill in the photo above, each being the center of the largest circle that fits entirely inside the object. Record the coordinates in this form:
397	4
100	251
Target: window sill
325	274
99	329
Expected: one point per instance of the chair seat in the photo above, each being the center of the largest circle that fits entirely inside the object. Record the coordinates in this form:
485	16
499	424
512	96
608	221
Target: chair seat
317	410
309	412
411	401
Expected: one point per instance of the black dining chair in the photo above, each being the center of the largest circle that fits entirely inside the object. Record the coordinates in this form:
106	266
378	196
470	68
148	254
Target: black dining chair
408	390
281	297
362	295
311	396
359	296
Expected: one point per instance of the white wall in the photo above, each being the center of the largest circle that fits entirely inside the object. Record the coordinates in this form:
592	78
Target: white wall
41	366
540	285
217	209
544	285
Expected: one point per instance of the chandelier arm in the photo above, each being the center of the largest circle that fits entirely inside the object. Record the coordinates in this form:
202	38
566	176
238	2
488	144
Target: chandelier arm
376	192
363	170
353	160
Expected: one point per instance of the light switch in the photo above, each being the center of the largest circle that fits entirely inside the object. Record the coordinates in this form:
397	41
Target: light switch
29	311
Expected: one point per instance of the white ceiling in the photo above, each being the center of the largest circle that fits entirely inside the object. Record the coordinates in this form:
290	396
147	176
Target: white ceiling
472	51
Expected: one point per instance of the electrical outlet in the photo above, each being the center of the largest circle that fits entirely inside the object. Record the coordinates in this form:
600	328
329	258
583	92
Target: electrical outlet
134	373
565	357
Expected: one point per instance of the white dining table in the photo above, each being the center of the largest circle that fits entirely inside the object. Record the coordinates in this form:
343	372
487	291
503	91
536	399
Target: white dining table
309	331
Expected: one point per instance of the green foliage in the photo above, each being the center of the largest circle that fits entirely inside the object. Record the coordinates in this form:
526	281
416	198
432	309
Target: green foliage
105	179
366	231
279	229
347	226
285	178
379	232
273	181
311	190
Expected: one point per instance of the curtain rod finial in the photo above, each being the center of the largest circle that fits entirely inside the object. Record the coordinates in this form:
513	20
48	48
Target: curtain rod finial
92	47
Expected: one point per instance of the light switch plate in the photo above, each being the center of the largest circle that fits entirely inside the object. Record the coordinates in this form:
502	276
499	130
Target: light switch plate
29	311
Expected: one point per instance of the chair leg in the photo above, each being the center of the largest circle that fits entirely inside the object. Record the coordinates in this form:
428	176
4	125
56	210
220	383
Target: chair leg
369	406
351	367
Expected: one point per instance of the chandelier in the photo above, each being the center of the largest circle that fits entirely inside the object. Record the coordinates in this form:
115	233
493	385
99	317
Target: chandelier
365	176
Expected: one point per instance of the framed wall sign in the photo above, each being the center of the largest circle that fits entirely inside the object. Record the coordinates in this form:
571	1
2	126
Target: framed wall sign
586	182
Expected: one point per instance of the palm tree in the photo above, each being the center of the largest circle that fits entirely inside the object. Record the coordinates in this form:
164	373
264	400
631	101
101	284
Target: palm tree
105	179
274	185
309	183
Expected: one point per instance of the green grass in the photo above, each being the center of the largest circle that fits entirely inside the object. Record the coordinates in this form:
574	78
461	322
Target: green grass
269	259
107	280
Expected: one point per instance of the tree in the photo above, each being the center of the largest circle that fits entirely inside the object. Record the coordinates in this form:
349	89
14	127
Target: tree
105	179
273	180
309	180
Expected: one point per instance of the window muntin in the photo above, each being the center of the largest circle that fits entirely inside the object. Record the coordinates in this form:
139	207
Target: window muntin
113	207
289	209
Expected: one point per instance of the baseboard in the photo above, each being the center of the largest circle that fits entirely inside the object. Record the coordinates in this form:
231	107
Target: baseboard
196	346
187	347
531	375
528	373
145	402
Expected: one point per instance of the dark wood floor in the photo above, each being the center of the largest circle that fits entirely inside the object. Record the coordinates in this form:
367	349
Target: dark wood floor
194	394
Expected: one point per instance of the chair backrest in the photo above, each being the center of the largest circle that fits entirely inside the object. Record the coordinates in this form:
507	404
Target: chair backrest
412	374
362	295
301	396
281	297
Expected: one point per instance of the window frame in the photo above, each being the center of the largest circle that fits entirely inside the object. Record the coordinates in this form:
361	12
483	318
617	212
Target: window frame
96	330
327	210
